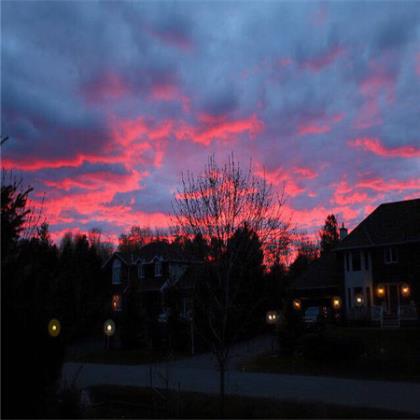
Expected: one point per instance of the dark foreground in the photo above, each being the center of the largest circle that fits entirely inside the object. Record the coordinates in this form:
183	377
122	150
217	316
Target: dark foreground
133	402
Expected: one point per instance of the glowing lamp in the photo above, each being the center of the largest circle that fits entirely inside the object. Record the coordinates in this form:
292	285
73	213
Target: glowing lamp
336	302
116	302
272	317
54	327
359	300
297	304
405	290
109	327
380	291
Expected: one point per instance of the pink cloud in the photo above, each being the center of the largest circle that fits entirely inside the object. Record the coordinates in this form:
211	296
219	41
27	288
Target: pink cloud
321	125
375	146
218	128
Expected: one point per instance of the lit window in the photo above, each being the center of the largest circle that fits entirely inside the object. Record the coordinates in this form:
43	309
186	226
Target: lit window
116	302
116	272
390	255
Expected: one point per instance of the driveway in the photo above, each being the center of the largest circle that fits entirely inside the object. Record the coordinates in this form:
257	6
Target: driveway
199	374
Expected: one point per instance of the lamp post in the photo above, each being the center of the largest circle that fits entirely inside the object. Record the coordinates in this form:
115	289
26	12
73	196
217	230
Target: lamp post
54	327
109	330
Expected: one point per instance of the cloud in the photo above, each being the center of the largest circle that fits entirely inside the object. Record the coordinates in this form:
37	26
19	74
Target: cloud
376	147
107	103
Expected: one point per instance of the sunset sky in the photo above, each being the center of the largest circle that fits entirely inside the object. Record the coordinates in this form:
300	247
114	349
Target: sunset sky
106	103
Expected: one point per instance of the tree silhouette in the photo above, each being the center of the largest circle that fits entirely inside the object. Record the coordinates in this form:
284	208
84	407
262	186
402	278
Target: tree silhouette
329	234
240	216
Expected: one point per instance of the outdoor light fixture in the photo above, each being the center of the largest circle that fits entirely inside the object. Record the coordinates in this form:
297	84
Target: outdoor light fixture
54	327
297	304
380	291
116	302
272	317
359	300
109	328
336	302
405	290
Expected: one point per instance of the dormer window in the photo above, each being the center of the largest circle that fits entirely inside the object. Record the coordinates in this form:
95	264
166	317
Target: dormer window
158	268
116	272
390	255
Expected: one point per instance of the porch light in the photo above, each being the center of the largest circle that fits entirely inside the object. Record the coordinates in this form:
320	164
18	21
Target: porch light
405	290
380	291
109	327
297	304
271	317
54	327
336	302
359	300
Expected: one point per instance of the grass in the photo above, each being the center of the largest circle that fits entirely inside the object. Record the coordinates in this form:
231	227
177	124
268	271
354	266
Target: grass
123	357
132	402
389	355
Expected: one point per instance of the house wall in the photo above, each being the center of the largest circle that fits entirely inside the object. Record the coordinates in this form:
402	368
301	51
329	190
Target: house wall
357	281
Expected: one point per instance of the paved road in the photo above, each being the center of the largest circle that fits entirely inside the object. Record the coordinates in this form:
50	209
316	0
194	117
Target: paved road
199	374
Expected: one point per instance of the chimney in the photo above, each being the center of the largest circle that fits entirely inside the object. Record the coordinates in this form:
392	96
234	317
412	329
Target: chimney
343	232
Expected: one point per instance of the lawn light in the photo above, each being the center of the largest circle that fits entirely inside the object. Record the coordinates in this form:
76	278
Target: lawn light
109	328
359	300
380	291
272	317
405	290
336	302
297	304
54	327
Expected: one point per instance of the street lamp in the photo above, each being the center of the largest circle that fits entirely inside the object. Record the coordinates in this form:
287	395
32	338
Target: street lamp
109	330
54	327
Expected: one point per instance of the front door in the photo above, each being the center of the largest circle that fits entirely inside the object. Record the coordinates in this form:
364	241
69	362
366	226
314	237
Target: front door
392	300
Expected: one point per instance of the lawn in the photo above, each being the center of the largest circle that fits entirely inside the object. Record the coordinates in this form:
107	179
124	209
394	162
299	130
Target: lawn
132	402
124	357
386	355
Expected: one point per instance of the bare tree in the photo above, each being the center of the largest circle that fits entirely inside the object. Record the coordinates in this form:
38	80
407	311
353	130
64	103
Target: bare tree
238	213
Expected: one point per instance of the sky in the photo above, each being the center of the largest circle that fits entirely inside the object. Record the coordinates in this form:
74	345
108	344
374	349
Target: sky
107	103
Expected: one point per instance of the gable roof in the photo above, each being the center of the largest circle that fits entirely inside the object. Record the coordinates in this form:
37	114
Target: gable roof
169	252
126	259
390	223
322	273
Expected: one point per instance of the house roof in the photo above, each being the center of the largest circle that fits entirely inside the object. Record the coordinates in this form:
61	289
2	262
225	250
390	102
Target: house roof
321	273
126	259
169	252
390	223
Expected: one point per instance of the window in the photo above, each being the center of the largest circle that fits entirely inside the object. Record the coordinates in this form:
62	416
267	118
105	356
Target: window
158	268
116	303
348	261
140	268
390	255
366	260
356	262
116	272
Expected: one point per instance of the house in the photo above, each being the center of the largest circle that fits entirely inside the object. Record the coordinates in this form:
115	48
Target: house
158	277
320	284
381	265
374	272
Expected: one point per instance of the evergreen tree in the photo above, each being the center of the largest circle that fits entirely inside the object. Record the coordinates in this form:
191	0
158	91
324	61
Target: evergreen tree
329	234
